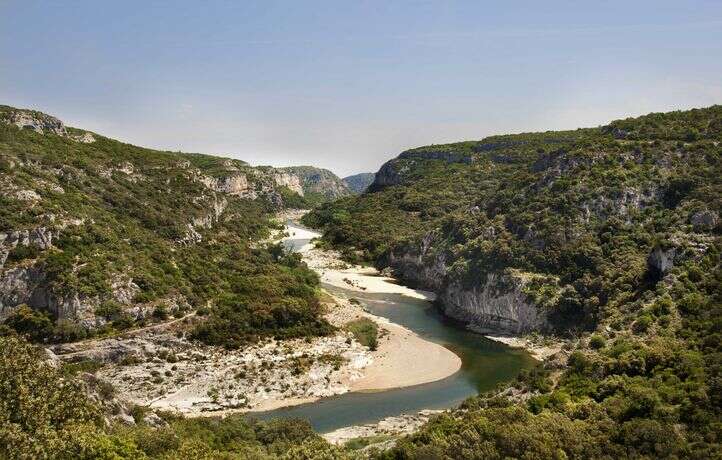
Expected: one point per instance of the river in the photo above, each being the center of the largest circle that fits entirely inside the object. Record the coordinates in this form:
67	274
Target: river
485	364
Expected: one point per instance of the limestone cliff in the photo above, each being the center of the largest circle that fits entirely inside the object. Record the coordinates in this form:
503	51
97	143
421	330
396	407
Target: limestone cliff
312	181
503	303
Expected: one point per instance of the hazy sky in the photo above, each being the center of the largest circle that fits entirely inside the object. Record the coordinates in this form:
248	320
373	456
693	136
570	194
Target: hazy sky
347	85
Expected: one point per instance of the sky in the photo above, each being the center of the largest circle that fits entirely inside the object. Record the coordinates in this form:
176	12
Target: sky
347	85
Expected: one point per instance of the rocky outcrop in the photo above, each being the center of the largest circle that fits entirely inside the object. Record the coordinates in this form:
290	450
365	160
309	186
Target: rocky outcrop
85	138
27	285
236	185
499	305
420	266
291	181
661	260
21	285
41	123
36	121
40	237
315	181
704	220
206	221
621	204
390	173
502	304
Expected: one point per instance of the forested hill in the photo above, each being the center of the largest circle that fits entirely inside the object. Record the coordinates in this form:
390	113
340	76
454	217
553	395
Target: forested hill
608	236
98	236
358	183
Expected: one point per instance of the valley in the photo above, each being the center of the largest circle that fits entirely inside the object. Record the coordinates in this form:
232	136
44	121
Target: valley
559	288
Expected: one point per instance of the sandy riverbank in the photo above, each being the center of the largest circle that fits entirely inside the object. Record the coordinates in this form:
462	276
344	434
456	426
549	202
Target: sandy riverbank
403	358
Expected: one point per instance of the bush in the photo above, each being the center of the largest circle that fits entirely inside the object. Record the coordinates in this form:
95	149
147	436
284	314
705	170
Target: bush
34	325
597	342
110	310
69	331
643	323
365	331
160	312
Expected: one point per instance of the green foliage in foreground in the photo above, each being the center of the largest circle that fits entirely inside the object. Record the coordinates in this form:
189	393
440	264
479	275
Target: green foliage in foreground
365	331
46	415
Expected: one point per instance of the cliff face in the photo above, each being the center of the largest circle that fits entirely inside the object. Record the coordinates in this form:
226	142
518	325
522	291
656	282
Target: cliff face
312	181
502	304
42	123
499	305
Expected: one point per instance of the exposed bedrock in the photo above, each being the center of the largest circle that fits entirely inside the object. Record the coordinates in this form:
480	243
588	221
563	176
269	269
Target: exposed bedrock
501	304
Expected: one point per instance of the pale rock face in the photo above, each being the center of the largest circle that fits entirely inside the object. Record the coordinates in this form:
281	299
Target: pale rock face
27	195
192	235
236	185
126	168
489	309
85	138
19	285
704	220
500	305
27	285
41	237
39	123
662	260
45	124
632	199
289	180
421	267
124	290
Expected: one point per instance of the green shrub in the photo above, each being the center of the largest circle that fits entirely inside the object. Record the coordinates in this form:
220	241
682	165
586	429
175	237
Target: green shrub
597	342
34	325
160	312
643	323
365	331
110	310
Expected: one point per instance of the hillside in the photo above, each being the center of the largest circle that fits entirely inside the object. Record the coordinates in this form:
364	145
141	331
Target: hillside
358	183
98	236
608	237
316	184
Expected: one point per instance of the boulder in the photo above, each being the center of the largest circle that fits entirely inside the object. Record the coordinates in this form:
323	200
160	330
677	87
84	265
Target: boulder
704	220
661	260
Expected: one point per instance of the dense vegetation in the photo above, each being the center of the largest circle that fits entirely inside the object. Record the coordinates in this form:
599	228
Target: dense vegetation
590	214
138	235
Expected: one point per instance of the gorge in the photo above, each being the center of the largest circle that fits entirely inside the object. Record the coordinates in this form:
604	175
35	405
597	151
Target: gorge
168	297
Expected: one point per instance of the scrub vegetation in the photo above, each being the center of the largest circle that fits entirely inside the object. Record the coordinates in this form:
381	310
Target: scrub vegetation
620	226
